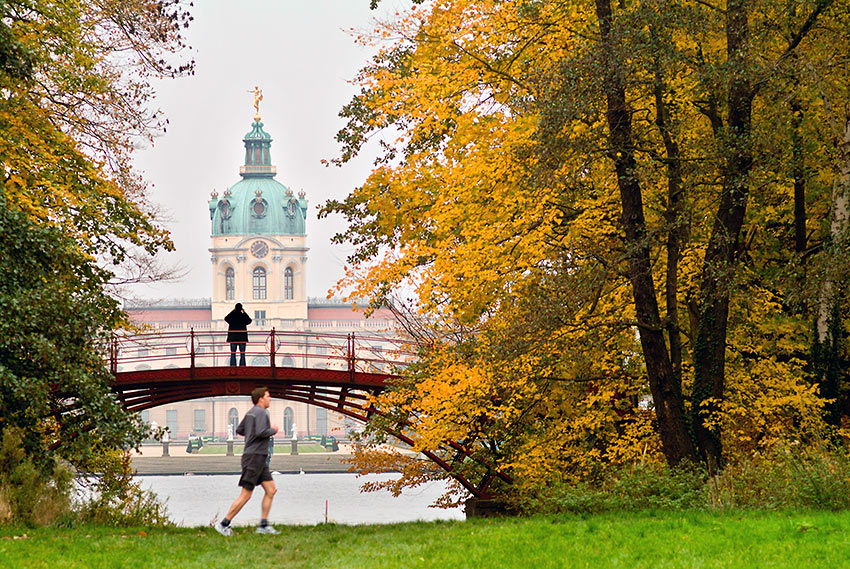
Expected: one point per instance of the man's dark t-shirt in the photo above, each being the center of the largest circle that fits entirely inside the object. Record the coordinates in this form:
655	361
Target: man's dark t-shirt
256	428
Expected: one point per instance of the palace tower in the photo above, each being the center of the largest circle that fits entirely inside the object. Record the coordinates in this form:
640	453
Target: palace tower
259	250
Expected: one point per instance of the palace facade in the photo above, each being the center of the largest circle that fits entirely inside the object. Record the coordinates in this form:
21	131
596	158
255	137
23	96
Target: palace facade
259	258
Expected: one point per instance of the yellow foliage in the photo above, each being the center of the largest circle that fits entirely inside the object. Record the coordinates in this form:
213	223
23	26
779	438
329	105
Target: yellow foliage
75	90
769	400
498	203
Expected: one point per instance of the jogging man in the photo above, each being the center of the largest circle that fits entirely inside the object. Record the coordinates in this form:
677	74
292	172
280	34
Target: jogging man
256	429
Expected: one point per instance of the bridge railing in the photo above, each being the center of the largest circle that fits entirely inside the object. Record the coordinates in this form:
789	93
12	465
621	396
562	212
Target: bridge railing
273	348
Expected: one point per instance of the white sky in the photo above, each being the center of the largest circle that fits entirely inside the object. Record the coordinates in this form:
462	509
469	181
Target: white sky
302	55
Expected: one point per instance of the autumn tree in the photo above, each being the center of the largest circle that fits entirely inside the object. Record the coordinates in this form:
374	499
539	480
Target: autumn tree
596	163
828	76
75	92
54	333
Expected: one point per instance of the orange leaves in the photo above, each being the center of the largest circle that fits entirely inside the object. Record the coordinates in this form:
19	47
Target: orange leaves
50	180
71	116
497	201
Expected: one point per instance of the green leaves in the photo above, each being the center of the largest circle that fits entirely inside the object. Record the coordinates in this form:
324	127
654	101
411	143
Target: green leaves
56	320
74	94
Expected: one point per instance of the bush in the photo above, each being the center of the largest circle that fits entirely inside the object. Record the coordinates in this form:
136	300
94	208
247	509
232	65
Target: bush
815	476
117	499
40	495
28	494
794	476
638	488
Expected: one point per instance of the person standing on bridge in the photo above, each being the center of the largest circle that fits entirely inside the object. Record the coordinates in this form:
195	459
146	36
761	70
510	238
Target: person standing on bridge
257	430
237	333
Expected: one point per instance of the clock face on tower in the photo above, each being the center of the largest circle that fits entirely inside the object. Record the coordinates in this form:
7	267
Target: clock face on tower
259	248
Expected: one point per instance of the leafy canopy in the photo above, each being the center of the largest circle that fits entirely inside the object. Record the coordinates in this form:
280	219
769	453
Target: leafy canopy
74	100
594	207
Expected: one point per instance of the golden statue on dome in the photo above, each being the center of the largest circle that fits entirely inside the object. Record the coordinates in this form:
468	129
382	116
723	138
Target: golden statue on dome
258	96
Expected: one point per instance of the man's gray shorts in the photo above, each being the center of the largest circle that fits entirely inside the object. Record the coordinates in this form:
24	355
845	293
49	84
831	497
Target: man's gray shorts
254	471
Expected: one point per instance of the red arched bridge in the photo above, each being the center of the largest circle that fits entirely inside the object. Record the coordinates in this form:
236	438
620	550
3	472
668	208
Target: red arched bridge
339	372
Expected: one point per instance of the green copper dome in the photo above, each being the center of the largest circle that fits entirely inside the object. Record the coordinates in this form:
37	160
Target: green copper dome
258	204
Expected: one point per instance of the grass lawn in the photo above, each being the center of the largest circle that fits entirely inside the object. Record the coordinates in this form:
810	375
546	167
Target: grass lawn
645	540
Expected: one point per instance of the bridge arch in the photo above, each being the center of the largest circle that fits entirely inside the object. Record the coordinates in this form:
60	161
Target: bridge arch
349	371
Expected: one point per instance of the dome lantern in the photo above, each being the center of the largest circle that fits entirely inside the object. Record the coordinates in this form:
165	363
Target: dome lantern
258	204
258	162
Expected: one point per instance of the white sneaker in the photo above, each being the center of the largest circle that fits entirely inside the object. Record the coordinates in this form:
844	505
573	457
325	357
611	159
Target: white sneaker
226	531
267	529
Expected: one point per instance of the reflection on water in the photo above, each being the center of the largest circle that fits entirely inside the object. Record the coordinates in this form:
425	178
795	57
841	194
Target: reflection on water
197	500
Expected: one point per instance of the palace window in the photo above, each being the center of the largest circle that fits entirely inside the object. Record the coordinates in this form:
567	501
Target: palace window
224	217
200	420
287	283
229	283
259	283
321	421
171	421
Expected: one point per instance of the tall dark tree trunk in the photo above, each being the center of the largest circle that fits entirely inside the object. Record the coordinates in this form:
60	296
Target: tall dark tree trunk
833	289
677	232
721	255
666	390
798	174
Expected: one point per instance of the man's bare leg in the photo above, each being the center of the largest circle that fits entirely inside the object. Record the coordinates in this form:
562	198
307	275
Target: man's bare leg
239	502
266	506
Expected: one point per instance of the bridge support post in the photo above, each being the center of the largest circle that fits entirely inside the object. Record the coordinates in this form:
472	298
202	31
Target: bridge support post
350	357
113	355
273	352
192	353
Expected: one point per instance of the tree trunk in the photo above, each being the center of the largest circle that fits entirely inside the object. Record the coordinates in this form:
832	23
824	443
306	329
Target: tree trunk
666	391
798	173
676	230
721	255
828	323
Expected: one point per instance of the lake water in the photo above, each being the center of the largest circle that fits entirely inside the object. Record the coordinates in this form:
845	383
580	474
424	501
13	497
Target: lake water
300	500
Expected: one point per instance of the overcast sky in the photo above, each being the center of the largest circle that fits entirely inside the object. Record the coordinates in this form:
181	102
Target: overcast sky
302	55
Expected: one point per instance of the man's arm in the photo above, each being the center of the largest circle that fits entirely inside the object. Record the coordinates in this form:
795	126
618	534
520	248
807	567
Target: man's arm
268	429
